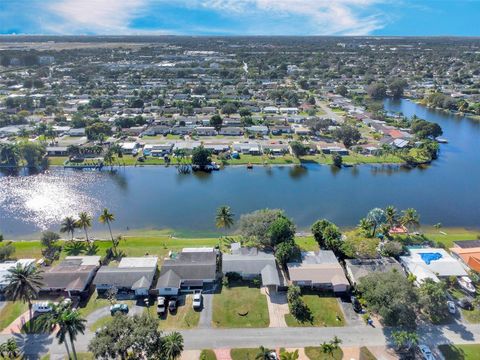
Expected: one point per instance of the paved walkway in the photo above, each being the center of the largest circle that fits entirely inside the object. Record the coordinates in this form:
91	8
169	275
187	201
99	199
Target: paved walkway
351	353
191	355
207	312
277	308
223	354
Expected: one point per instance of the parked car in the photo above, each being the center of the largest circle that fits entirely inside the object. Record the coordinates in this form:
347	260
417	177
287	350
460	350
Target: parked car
465	304
466	284
161	305
426	352
452	309
172	304
197	301
357	307
42	307
119	308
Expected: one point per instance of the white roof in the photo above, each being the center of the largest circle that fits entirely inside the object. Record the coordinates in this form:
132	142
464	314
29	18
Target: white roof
202	249
444	266
138	262
86	260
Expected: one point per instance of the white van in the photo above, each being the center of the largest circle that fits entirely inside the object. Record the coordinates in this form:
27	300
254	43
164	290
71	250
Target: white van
43	307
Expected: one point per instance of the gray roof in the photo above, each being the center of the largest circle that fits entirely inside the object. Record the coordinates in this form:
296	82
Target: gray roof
270	276
358	268
169	279
467	244
68	275
188	266
250	261
125	277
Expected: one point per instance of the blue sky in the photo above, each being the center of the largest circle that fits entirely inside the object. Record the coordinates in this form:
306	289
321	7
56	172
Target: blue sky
241	17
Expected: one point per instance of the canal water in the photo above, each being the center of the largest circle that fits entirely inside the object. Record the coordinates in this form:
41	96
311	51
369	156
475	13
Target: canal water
448	191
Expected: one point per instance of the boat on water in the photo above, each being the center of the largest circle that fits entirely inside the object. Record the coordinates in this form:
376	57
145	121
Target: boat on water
442	140
249	166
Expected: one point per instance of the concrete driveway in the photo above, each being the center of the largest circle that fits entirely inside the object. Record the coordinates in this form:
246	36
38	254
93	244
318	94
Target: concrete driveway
207	312
277	308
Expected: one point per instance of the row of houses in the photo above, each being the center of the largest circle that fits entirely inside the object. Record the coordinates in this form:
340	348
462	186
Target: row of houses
195	269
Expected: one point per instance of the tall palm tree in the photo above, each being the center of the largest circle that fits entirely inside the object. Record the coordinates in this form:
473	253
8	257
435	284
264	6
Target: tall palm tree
263	353
224	217
391	215
48	321
173	345
74	324
24	283
85	222
410	219
69	224
106	218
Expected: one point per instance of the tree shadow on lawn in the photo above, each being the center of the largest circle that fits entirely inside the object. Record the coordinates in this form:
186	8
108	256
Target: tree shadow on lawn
31	345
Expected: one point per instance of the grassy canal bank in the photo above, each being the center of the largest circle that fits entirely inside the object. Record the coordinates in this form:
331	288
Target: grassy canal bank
321	159
160	242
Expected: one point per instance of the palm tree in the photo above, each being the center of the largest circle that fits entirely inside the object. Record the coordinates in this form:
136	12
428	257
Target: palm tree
224	217
69	224
327	348
85	221
24	283
391	215
285	355
173	345
263	353
106	218
74	324
410	219
365	225
9	350
48	321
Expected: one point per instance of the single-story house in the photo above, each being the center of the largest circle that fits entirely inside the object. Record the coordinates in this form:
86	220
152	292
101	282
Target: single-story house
231	131
77	132
57	150
72	276
431	263
7	265
358	268
250	263
470	256
128	147
187	271
320	270
205	131
258	129
133	274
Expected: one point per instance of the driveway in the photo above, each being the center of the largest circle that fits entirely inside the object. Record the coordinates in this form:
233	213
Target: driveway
277	308
207	312
351	317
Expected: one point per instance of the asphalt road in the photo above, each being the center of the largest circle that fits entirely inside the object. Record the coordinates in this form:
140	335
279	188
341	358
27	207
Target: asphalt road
363	335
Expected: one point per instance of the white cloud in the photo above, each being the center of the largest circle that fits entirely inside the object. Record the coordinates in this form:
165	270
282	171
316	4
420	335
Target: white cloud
326	16
97	16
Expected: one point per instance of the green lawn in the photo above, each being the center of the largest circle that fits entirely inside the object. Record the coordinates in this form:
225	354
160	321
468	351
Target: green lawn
315	353
244	354
447	236
324	310
472	316
100	322
365	354
261	160
352	159
10	312
184	318
240	306
141	242
460	352
208	355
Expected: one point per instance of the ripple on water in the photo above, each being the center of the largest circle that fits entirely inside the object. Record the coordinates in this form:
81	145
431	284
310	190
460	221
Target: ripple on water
45	199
